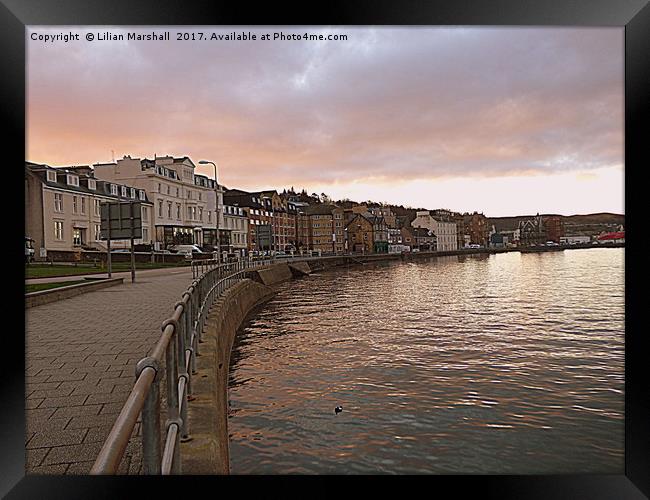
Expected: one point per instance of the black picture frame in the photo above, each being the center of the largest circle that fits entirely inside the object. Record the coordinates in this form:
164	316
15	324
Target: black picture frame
634	15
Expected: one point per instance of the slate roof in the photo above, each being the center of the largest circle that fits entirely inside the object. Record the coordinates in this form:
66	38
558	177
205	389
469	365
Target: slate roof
103	187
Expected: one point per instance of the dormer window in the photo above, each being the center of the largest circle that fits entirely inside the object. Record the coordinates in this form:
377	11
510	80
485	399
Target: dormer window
132	192
113	189
51	176
92	184
72	180
141	194
124	191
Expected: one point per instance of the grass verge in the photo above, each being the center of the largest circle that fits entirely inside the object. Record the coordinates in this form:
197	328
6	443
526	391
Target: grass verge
50	271
46	286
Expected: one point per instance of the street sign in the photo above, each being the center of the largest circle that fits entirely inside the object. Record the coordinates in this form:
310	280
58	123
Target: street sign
121	220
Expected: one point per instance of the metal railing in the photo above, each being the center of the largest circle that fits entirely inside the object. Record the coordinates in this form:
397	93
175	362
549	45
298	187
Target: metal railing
174	357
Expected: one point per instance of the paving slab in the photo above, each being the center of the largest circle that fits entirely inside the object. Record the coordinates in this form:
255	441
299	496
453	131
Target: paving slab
80	356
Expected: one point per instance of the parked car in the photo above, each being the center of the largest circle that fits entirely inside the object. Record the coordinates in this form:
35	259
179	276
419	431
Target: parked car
552	244
187	250
474	245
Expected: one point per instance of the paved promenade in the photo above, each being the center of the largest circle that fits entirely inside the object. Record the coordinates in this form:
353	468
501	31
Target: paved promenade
80	367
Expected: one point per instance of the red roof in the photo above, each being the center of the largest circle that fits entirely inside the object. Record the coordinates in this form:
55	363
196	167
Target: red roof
612	236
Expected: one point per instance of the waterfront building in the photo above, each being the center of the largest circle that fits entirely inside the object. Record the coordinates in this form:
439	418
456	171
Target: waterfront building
532	232
62	208
441	224
379	232
573	240
258	212
235	229
282	219
615	237
512	236
359	235
186	205
419	238
384	211
462	235
394	236
303	228
554	227
498	240
477	228
326	228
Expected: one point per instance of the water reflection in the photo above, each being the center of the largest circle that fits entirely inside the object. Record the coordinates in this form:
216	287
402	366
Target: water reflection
509	363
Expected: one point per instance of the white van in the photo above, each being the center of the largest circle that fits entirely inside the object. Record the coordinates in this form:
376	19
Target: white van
187	250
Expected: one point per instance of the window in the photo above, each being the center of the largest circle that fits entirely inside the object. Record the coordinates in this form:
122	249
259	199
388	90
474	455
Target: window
178	192
72	180
92	184
160	203
189	213
58	230
199	196
98	230
58	202
145	214
124	191
159	187
189	194
132	192
169	209
209	216
169	189
113	189
145	234
51	176
83	204
97	208
74	204
141	193
178	211
200	214
76	237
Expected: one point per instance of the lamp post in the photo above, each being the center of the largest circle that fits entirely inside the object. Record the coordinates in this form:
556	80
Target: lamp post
218	214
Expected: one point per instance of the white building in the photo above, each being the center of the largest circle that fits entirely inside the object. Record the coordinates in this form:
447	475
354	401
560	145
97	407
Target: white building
572	240
186	206
236	222
62	208
439	222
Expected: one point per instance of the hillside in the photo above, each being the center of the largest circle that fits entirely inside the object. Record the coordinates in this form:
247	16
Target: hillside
572	223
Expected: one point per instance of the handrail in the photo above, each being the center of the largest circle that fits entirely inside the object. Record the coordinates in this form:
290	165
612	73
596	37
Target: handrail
174	356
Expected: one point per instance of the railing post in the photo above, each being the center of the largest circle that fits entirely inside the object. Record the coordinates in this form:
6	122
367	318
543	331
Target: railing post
172	372
150	419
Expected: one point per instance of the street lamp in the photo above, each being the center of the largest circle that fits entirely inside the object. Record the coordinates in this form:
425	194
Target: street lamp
216	189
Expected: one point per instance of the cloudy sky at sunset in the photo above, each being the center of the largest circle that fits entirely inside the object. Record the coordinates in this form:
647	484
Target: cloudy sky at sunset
501	120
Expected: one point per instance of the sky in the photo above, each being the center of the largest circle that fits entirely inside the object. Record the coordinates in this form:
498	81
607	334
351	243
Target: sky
503	121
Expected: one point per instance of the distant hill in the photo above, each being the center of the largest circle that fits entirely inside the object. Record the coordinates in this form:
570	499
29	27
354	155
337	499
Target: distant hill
573	223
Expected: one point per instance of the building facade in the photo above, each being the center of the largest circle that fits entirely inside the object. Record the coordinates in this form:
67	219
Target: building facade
187	206
359	235
62	209
258	211
441	224
235	223
326	228
477	228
